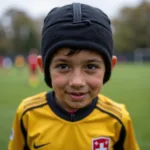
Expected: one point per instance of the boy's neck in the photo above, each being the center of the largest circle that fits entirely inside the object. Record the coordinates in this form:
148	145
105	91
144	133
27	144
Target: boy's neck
72	111
69	110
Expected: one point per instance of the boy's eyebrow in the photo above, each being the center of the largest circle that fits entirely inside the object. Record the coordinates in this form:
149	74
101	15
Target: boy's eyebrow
88	60
94	60
60	60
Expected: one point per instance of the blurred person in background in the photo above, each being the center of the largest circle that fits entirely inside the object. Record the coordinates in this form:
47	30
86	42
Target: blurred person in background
1	61
7	64
19	61
33	71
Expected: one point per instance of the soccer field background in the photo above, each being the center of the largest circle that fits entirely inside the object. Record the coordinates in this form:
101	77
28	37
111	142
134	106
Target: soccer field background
129	84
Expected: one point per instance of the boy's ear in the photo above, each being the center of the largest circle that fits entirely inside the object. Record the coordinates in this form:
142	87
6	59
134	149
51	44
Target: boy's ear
40	62
114	61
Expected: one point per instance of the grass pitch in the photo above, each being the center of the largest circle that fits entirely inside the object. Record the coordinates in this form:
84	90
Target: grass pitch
129	84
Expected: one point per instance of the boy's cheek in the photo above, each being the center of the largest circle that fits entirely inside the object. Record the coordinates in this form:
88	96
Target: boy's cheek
96	80
96	84
58	81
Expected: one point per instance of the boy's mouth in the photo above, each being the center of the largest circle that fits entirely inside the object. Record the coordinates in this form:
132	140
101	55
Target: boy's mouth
77	96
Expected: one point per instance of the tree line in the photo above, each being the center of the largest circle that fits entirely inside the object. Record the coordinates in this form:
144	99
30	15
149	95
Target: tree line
19	32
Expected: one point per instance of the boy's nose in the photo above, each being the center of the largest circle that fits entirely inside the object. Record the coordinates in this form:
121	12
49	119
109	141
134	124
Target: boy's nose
77	79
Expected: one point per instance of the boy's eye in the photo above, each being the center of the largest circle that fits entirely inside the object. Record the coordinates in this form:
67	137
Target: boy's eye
91	66
63	66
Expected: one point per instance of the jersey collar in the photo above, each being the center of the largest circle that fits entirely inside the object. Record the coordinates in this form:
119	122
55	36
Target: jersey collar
59	111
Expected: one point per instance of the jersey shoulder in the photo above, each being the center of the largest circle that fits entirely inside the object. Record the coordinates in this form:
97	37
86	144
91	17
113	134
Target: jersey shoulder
113	108
32	102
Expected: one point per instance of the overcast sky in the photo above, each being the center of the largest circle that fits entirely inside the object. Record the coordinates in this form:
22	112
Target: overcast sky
36	8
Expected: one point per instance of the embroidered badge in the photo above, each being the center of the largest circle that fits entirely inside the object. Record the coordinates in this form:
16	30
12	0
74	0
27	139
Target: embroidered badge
101	143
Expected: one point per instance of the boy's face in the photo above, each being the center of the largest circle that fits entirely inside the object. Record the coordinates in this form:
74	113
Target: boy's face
76	79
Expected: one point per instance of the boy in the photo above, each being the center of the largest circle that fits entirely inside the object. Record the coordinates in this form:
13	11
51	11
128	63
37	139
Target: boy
77	60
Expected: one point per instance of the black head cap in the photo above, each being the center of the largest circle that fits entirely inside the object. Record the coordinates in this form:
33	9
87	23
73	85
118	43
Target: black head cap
76	26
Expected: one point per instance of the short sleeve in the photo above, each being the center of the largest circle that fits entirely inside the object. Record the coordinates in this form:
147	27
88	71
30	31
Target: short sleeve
130	142
16	140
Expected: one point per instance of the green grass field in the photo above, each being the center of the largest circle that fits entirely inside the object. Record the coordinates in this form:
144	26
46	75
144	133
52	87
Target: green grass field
129	84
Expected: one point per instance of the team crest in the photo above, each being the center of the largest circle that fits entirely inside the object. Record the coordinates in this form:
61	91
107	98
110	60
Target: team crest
101	143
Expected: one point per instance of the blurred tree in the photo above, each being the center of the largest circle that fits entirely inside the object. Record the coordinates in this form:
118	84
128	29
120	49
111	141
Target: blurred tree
3	40
132	28
20	31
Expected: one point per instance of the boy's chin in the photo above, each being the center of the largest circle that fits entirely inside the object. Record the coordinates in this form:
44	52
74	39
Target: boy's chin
78	106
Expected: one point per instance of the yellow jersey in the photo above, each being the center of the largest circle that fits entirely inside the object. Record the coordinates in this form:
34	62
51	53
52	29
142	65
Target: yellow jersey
41	124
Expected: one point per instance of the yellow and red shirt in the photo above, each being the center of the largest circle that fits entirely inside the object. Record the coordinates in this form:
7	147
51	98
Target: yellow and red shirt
41	124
